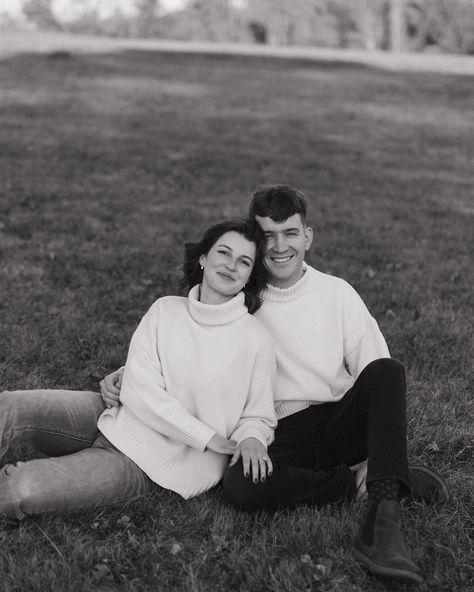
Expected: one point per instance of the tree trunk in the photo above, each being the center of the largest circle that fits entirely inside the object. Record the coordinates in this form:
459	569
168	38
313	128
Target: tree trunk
397	25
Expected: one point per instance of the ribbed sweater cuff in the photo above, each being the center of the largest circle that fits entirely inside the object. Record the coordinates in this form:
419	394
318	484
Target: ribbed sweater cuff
196	435
262	434
286	408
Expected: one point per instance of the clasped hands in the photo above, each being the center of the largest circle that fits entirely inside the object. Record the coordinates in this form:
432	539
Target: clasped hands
255	460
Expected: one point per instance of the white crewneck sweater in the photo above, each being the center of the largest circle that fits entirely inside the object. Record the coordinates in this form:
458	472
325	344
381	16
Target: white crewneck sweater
193	370
319	325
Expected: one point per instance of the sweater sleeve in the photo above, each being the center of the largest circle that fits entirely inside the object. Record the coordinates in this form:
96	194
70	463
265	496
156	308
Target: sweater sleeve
258	418
144	390
363	340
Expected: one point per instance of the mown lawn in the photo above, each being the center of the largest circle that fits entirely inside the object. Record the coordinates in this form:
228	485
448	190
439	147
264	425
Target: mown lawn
109	162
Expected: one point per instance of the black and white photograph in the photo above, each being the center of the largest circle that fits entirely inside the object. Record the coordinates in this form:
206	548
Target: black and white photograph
236	295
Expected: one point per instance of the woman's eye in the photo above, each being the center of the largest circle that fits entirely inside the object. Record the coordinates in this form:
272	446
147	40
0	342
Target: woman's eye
223	252
245	262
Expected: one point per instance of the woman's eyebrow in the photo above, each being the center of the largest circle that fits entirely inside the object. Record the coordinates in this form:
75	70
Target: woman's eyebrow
231	249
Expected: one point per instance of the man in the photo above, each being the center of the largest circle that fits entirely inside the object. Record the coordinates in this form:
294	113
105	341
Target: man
339	397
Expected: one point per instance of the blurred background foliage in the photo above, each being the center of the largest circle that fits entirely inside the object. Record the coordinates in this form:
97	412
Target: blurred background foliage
393	25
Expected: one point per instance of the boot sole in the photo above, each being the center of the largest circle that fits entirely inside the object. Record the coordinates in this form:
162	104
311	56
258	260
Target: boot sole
441	496
387	572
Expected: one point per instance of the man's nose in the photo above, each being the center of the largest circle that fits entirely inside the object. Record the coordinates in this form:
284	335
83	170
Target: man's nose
280	243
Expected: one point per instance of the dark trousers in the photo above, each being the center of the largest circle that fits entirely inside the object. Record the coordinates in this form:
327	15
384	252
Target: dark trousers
313	448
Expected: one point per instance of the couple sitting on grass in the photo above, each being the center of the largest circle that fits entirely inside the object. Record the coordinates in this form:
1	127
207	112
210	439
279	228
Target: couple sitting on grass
261	338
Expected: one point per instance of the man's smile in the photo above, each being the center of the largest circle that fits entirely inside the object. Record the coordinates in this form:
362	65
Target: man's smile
281	259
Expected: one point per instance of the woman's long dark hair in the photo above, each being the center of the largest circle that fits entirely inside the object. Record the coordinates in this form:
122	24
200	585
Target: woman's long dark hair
192	272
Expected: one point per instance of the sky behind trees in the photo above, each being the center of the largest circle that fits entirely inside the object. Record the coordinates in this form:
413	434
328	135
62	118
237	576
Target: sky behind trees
67	8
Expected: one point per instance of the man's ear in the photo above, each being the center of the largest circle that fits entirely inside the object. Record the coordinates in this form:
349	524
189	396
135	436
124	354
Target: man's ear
308	237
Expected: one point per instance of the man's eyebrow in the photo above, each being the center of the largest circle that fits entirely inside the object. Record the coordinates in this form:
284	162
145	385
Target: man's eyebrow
293	229
230	249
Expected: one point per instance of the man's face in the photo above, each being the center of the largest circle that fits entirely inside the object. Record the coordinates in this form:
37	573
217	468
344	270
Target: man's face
287	243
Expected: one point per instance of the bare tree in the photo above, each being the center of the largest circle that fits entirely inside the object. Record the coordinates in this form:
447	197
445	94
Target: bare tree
41	13
147	15
287	23
218	17
367	21
397	25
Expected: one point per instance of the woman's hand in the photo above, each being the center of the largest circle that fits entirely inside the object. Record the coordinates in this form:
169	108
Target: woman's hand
110	388
360	476
221	445
255	459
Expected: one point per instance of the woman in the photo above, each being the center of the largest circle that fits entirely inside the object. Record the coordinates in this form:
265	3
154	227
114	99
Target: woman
197	387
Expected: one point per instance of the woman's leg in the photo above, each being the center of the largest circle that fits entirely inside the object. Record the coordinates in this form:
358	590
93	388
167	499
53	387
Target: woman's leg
54	422
94	477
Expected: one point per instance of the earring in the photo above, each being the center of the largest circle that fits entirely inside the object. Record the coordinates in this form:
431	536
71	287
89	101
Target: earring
201	267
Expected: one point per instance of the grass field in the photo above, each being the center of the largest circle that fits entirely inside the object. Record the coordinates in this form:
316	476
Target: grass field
109	161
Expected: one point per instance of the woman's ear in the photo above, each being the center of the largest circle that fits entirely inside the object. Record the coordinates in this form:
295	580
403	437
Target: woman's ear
202	261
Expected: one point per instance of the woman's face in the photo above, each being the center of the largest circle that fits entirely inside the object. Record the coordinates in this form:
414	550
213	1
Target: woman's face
227	267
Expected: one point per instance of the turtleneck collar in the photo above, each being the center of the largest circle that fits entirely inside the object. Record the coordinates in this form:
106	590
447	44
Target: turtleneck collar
273	294
216	314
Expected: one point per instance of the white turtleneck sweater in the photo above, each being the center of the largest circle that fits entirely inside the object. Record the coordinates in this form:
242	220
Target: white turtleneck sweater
319	325
193	370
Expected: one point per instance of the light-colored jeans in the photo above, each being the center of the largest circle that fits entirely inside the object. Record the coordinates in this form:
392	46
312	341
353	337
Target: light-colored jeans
83	468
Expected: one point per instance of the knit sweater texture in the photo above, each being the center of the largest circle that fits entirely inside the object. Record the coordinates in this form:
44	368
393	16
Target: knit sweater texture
193	370
324	337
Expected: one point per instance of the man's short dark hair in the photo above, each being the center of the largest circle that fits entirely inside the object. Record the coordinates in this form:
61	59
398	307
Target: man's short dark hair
278	202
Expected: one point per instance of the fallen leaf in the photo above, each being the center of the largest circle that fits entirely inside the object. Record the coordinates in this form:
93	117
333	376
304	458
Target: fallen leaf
124	521
100	571
175	548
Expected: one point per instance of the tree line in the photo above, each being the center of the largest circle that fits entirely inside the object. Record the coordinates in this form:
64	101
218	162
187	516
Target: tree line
393	25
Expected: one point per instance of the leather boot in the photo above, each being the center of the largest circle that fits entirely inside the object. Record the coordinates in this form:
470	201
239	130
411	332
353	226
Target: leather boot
427	485
379	545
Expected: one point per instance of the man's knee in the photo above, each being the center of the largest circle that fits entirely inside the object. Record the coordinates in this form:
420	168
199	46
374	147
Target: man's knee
241	491
387	371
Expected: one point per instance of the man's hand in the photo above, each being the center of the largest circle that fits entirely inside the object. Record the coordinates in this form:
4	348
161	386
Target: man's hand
255	459
221	445
110	388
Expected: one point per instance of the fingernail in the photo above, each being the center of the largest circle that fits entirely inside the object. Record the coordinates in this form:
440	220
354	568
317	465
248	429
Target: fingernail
246	475
255	481
262	479
270	474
